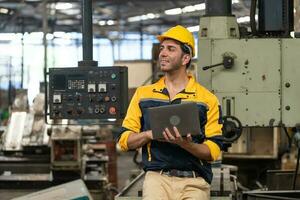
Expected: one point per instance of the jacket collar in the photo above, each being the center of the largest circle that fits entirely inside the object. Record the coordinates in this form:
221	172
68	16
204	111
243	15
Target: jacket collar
160	86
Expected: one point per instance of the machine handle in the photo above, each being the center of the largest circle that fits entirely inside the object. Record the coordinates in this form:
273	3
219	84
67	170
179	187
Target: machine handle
228	62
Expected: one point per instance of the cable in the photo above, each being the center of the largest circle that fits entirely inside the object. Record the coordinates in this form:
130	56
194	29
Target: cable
252	17
296	170
288	136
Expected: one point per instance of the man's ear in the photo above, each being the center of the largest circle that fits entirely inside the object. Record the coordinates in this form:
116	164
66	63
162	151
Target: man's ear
186	59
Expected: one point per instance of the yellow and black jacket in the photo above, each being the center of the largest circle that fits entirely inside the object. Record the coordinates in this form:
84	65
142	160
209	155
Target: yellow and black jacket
158	155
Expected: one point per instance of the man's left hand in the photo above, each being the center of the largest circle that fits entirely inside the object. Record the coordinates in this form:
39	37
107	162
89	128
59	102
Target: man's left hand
176	138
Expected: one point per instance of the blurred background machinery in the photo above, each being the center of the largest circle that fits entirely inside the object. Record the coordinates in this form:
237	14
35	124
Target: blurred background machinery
249	60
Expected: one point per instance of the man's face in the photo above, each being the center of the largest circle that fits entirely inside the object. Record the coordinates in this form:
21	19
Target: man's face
171	57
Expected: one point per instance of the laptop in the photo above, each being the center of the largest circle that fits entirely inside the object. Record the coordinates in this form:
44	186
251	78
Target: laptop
184	116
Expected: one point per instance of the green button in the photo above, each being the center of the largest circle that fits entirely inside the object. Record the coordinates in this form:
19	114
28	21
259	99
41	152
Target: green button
113	75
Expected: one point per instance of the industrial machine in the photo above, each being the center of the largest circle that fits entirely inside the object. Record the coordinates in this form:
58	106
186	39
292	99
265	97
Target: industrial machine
255	76
88	93
68	129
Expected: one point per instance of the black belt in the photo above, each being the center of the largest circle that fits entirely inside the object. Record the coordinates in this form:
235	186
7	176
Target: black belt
180	173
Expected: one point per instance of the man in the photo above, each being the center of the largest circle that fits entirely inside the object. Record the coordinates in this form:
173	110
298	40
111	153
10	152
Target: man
176	167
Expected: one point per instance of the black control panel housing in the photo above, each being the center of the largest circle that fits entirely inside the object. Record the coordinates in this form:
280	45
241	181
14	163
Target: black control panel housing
88	93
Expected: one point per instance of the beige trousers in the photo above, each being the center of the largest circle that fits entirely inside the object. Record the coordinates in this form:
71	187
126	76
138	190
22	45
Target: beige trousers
162	187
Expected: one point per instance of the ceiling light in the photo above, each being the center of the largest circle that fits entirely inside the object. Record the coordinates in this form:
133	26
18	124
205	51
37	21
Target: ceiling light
143	17
73	11
62	6
150	16
243	19
193	28
110	22
235	1
174	11
188	9
102	23
200	6
4	10
134	19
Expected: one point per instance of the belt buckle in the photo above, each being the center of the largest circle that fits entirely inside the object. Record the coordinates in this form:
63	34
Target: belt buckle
178	173
173	172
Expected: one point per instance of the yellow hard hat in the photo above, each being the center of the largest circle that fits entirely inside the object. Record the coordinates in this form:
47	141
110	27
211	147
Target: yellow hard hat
180	34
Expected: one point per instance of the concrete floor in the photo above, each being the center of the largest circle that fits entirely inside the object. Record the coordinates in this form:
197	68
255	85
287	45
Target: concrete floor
126	171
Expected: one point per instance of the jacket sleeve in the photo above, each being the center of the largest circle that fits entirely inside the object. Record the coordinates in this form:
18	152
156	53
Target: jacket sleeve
213	129
132	121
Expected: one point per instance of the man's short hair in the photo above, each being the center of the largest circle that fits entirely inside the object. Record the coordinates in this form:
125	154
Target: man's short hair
187	50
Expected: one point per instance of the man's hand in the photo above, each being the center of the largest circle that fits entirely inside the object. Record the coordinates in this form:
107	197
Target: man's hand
176	138
149	134
137	140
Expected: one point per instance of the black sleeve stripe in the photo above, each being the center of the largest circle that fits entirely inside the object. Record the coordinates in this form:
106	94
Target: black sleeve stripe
220	121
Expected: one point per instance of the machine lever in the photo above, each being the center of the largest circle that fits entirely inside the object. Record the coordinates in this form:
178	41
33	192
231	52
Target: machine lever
228	62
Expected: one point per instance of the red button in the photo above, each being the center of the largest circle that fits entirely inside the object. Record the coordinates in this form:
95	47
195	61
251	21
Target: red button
112	110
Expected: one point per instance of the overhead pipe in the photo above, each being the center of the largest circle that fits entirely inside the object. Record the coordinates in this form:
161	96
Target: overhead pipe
87	35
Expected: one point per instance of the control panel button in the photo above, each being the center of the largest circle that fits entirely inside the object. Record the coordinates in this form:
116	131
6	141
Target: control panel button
113	98
112	110
56	98
106	99
102	109
113	76
102	87
91	87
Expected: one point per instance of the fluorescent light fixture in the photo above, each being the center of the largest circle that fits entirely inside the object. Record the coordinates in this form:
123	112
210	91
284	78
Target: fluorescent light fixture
102	23
62	6
110	22
143	17
3	10
111	119
134	19
193	28
150	16
200	6
174	11
74	11
188	9
66	22
245	19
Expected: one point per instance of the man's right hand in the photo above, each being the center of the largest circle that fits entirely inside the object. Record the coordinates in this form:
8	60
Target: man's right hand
149	134
137	140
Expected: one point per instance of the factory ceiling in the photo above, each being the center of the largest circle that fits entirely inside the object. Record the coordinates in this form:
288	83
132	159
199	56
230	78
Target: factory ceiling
146	16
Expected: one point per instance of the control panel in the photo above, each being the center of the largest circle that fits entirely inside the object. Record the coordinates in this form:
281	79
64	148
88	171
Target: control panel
88	92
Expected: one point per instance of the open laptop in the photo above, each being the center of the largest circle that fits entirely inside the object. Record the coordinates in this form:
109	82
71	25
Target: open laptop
184	116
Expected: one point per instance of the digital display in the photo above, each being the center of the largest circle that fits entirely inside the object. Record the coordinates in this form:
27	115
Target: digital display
59	82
